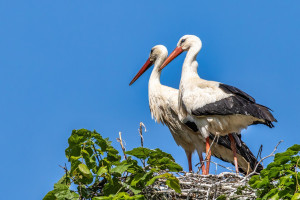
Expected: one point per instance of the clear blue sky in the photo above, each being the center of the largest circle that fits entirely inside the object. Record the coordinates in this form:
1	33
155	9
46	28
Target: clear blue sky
67	64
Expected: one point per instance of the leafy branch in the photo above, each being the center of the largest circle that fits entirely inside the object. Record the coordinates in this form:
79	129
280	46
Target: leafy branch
96	170
279	180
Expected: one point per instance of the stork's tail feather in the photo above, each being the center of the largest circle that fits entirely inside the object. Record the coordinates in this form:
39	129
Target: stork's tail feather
246	160
267	115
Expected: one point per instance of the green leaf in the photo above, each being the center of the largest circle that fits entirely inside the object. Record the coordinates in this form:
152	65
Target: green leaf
135	190
112	187
253	179
285	193
274	172
89	158
136	179
102	170
263	183
295	147
164	163
139	152
87	176
74	165
284	157
103	198
76	139
50	196
173	183
157	153
152	180
64	180
84	170
296	196
62	192
121	168
283	180
134	168
271	195
73	151
121	196
271	165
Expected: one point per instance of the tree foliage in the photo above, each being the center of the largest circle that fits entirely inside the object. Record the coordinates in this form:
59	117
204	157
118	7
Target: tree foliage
96	170
280	180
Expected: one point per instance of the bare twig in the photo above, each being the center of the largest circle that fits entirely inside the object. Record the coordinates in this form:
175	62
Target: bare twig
142	139
141	132
217	164
121	143
271	155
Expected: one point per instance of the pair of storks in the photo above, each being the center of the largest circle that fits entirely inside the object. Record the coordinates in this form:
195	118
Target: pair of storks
202	110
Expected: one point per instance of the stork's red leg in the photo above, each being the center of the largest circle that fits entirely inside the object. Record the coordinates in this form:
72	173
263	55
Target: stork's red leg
189	157
202	164
208	155
233	148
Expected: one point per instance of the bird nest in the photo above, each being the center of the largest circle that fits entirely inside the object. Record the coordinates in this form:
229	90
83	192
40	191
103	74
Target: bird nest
226	185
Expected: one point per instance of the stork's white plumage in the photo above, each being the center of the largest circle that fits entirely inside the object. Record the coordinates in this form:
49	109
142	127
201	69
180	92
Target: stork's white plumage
163	102
214	107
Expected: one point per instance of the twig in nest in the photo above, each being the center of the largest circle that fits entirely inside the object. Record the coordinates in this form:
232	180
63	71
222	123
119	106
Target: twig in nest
222	166
121	143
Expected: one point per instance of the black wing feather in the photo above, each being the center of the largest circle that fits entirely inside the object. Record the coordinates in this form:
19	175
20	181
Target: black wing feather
239	103
233	90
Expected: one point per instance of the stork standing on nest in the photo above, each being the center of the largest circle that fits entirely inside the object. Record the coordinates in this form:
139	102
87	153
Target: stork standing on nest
163	102
212	106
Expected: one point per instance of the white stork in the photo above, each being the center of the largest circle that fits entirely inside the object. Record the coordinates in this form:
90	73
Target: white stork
214	107
163	102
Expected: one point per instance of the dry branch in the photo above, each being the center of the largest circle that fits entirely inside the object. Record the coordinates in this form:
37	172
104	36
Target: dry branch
141	132
121	143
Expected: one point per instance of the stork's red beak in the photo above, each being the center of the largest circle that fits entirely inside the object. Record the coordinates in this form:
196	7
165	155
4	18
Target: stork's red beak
146	66
177	51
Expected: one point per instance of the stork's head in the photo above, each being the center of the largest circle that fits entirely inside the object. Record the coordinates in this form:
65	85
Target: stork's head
187	41
158	53
184	44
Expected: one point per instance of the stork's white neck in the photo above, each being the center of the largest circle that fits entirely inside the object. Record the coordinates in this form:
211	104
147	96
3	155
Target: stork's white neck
154	90
190	64
155	75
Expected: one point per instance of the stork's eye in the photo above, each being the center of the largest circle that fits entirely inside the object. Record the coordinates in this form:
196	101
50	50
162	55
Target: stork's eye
182	41
151	51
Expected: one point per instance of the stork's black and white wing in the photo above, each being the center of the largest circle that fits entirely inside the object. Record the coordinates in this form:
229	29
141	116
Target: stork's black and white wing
243	151
233	101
